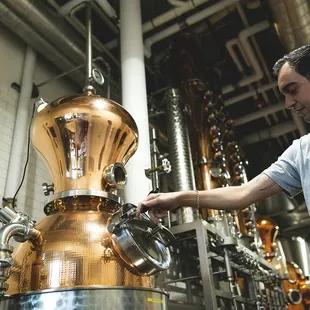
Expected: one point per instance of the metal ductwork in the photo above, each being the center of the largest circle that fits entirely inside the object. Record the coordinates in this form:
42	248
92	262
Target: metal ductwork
292	20
46	33
50	27
13	22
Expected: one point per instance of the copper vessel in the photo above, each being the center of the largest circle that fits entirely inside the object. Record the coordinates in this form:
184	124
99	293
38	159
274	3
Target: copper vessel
294	286
268	231
204	98
206	140
294	283
85	141
79	137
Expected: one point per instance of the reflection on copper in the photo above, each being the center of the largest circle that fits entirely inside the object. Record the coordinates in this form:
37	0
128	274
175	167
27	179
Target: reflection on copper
80	136
295	282
268	231
236	166
77	251
203	91
205	142
305	290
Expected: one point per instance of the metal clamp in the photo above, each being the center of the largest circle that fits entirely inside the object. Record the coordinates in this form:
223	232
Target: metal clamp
161	233
48	188
128	211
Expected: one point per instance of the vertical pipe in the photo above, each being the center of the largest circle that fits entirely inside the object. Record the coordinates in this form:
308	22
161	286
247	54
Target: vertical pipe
181	159
21	124
154	159
88	45
134	97
230	278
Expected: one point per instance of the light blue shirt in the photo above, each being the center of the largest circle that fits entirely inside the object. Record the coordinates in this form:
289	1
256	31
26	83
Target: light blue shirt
292	169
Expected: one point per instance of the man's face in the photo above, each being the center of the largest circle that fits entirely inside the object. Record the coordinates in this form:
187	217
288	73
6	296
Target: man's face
296	90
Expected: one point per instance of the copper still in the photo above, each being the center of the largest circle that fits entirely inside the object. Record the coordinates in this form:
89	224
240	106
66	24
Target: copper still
204	104
90	245
244	218
295	286
91	250
206	140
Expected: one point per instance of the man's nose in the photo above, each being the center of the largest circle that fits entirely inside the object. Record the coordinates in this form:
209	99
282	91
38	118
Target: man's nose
289	102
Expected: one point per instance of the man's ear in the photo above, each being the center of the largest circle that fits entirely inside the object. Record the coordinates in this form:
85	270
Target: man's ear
303	68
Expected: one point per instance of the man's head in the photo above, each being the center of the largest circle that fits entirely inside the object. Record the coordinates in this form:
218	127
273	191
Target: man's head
293	71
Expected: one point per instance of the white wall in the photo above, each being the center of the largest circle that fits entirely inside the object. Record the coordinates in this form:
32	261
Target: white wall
12	50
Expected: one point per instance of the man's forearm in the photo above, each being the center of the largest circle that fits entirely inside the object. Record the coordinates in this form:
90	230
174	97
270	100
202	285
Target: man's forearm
224	198
232	197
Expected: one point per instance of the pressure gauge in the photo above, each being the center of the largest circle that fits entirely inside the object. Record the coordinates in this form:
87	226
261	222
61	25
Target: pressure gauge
97	76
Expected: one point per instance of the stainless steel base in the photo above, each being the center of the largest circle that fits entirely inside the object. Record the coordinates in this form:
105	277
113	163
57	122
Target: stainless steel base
91	298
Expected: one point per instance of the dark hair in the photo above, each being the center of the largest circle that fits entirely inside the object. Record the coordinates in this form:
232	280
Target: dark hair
299	59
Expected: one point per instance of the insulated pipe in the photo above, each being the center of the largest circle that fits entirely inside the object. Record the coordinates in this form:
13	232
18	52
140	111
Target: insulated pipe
16	161
103	4
178	3
250	93
162	19
243	38
36	15
171	14
229	46
258	52
255	45
32	38
107	8
292	21
205	13
69	6
270	133
134	98
261	113
25	15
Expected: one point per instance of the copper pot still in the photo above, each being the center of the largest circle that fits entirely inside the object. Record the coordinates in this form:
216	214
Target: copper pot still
72	258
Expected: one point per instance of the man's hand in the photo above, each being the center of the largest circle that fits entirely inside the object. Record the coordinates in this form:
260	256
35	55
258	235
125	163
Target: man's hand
158	205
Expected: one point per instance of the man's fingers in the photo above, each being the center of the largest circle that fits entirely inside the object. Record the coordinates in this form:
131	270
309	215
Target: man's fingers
140	208
151	201
153	217
160	213
148	203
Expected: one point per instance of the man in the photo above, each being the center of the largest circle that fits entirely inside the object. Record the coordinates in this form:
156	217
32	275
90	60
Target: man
290	173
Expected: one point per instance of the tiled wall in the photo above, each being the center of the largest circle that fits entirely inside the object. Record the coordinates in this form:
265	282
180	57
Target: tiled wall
12	49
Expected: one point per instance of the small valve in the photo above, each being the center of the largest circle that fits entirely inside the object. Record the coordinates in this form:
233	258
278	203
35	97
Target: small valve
165	167
48	188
